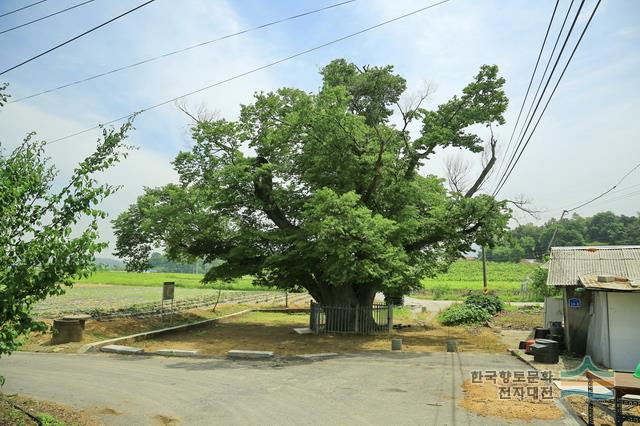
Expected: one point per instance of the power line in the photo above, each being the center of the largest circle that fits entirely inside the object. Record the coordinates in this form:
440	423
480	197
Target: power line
254	70
535	68
45	17
22	8
622	197
607	191
625	188
565	211
174	52
554	89
617	191
529	115
77	37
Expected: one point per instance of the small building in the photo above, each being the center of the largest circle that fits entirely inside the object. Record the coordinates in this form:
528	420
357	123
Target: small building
600	305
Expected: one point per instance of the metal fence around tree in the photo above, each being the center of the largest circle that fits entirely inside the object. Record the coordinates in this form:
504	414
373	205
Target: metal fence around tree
372	319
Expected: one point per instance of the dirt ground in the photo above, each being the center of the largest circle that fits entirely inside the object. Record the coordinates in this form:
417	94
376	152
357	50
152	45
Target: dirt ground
274	332
484	399
519	318
49	413
96	331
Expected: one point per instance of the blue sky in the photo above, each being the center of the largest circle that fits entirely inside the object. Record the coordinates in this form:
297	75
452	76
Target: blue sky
587	140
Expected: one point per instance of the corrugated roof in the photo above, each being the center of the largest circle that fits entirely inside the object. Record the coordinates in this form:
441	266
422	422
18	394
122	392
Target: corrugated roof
566	264
591	282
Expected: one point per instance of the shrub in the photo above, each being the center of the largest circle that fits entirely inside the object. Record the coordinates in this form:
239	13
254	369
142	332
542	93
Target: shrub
539	284
464	314
491	303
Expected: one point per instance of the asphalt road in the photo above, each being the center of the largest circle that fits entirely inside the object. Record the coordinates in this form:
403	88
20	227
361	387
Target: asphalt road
375	388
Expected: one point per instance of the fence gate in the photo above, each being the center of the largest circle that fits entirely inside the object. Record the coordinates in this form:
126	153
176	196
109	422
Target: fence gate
347	319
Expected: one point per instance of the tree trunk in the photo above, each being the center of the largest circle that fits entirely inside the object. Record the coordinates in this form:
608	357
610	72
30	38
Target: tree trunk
348	306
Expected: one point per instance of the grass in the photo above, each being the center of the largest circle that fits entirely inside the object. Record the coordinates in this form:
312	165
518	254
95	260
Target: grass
155	279
464	276
48	413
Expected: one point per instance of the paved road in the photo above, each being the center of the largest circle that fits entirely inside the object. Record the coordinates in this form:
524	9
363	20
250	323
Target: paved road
372	388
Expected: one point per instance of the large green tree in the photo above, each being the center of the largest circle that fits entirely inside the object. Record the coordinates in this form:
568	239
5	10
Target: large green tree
322	191
48	237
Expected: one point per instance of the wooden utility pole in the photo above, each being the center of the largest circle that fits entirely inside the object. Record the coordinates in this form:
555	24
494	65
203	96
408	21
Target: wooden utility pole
485	288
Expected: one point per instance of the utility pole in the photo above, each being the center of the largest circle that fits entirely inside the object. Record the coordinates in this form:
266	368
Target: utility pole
485	289
555	231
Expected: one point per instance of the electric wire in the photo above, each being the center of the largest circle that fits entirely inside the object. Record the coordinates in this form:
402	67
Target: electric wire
26	61
254	70
535	68
565	211
542	79
605	192
529	117
22	8
174	52
45	17
555	87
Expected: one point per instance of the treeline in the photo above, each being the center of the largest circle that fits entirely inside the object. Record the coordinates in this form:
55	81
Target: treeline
530	241
158	263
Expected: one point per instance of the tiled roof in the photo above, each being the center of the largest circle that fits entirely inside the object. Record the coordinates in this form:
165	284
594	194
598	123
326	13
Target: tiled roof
566	264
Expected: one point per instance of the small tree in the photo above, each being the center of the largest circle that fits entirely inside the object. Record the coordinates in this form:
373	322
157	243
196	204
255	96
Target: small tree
42	246
539	284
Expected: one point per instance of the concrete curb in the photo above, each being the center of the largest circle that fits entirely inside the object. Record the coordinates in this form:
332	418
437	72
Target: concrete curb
246	354
318	357
95	347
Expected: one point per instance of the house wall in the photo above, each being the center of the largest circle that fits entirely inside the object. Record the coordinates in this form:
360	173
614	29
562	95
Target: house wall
598	333
624	330
576	320
553	310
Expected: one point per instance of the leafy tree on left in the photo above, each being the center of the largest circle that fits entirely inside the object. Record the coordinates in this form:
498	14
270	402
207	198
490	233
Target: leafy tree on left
43	246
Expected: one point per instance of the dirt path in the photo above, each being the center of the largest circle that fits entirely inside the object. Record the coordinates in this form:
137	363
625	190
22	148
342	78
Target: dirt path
376	388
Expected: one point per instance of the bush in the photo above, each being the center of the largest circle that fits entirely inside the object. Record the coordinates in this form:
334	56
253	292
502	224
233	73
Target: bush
491	303
464	314
539	284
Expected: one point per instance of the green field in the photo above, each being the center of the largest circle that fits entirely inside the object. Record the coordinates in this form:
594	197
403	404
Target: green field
117	289
155	279
87	297
504	279
112	290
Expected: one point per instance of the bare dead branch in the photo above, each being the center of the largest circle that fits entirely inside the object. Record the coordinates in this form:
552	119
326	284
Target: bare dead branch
457	170
201	113
525	205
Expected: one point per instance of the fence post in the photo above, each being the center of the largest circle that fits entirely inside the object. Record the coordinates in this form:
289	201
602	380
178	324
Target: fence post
357	319
315	313
390	317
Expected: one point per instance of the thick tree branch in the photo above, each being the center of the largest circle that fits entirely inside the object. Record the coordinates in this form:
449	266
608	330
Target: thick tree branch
377	168
485	171
263	190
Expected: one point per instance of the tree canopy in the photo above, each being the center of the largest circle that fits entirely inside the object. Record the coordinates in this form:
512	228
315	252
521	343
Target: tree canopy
43	245
325	191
